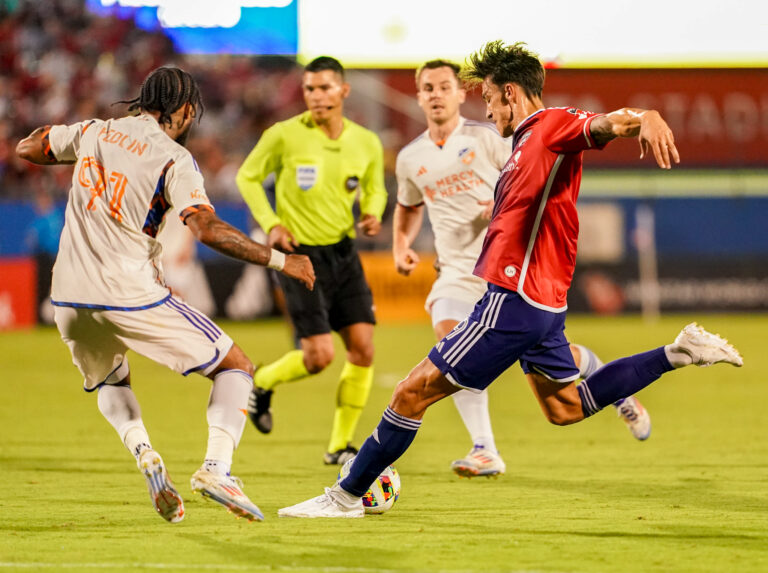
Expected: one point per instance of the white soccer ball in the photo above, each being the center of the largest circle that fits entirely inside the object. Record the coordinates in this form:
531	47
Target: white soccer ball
383	492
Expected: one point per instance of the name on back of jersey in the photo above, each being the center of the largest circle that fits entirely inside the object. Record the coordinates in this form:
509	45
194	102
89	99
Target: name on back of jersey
122	140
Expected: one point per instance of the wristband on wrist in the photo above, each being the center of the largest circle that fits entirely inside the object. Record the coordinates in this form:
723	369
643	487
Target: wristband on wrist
276	260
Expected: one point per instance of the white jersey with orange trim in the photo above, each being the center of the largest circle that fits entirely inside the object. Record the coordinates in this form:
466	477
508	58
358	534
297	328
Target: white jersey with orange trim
451	179
128	174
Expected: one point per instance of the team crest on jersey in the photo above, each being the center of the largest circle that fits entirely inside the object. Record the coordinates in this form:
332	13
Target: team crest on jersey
524	138
467	155
306	176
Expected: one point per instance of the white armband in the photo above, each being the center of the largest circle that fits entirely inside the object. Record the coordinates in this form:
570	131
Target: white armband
276	260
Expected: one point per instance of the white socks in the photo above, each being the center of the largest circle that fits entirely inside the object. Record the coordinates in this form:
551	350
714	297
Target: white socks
226	418
473	408
119	406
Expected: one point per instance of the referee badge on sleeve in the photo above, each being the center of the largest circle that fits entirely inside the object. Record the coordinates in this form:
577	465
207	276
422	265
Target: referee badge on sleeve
306	176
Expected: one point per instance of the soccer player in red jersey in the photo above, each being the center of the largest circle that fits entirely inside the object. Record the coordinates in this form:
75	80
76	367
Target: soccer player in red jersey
528	259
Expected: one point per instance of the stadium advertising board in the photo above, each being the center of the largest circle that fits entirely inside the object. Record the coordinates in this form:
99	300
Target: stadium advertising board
719	116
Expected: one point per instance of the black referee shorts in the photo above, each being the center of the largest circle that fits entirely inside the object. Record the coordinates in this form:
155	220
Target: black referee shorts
341	296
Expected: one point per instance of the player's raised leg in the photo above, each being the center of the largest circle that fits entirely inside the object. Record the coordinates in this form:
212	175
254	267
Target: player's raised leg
397	429
232	383
564	404
629	409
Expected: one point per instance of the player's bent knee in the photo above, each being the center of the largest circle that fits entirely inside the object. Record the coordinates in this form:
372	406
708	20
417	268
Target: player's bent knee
563	416
361	356
423	386
317	360
235	359
406	400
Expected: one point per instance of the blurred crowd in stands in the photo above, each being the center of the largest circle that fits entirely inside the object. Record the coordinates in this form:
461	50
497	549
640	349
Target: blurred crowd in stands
61	64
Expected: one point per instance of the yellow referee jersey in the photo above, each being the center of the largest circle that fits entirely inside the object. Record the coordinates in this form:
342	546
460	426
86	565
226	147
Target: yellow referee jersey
317	179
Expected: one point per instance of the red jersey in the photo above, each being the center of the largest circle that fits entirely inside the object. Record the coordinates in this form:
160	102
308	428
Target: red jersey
530	246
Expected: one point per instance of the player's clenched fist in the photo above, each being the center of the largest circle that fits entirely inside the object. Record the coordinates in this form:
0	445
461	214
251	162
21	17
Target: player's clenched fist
406	261
300	267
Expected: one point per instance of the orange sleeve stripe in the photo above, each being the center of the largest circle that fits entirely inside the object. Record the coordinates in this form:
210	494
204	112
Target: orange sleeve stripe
195	209
46	141
85	127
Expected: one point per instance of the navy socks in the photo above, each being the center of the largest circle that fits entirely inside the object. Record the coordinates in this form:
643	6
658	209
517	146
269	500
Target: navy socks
388	442
621	378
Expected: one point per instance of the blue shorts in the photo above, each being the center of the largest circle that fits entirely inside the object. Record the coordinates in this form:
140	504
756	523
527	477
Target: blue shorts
501	330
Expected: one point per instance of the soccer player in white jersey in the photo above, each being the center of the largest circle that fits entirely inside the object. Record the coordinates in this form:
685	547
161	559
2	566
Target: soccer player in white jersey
108	290
452	168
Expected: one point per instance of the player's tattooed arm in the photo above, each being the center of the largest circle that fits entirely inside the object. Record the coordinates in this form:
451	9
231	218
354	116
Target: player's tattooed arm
226	239
648	126
36	148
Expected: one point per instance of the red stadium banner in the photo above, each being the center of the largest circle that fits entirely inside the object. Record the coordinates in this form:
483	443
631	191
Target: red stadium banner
18	296
719	116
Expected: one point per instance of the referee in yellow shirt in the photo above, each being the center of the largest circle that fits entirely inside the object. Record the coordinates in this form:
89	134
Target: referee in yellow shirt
321	160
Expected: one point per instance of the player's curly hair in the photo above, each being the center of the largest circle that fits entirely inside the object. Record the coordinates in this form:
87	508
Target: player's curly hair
506	64
434	65
165	90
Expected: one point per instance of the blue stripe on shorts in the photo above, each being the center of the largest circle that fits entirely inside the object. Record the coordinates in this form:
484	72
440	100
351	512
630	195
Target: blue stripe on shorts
501	330
195	318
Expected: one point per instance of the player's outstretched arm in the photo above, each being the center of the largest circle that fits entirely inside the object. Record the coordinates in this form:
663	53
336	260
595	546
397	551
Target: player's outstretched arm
33	148
226	239
648	126
404	230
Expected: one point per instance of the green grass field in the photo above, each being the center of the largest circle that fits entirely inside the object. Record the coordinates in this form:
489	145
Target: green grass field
694	497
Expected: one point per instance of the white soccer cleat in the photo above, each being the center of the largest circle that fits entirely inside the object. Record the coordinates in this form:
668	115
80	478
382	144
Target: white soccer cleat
635	417
326	505
694	345
164	496
226	490
479	462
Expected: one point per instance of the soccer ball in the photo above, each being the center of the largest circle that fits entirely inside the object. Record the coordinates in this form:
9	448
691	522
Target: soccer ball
383	492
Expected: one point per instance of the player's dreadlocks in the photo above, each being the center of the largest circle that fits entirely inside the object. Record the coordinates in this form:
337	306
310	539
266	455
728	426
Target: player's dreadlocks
506	64
165	90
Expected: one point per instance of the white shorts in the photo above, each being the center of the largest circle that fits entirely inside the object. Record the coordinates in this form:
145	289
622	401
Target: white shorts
172	333
460	287
450	309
